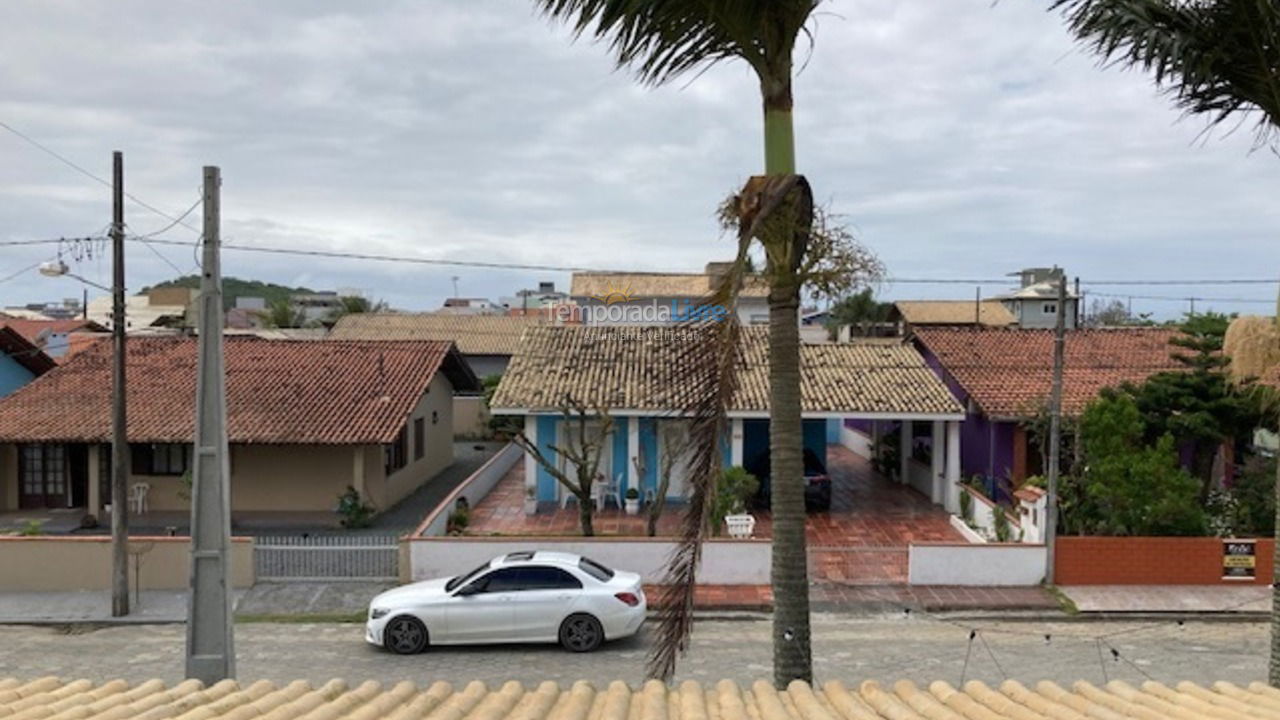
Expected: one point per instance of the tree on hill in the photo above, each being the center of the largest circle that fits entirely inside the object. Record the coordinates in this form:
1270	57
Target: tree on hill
234	287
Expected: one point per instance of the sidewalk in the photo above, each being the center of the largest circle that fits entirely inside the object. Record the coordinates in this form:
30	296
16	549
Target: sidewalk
833	597
1186	599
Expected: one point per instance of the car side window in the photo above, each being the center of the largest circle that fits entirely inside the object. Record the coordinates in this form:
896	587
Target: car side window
504	580
537	577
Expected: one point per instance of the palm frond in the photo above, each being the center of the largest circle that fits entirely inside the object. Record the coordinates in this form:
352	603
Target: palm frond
662	39
1218	58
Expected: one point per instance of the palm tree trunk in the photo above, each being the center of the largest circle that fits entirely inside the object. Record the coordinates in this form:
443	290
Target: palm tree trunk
792	655
1273	675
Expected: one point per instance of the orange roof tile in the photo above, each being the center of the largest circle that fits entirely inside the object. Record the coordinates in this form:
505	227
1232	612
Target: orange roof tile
1008	372
278	391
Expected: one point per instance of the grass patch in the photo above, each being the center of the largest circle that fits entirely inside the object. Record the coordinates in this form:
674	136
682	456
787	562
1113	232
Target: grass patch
352	617
1066	604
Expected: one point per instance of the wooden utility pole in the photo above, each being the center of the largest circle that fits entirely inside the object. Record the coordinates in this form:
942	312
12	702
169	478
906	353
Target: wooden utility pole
1055	428
210	647
119	416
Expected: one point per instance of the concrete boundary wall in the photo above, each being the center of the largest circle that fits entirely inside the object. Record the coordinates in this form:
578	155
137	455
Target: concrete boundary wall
724	562
474	488
991	564
54	563
856	441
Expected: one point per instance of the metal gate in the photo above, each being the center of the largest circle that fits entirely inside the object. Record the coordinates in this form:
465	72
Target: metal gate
327	558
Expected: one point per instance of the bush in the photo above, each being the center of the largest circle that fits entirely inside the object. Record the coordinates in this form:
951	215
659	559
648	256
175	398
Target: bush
633	494
1001	525
458	521
355	512
733	489
1246	506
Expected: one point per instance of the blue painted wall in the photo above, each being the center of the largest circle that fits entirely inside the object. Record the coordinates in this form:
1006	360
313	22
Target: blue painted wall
833	431
547	428
649	450
815	438
621	463
13	375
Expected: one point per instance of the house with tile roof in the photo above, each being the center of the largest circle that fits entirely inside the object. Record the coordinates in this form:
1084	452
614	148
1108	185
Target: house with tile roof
21	360
1003	377
57	338
928	313
305	420
486	343
677	291
637	374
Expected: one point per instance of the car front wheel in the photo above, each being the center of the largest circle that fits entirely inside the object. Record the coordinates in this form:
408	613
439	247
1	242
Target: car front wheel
405	635
581	633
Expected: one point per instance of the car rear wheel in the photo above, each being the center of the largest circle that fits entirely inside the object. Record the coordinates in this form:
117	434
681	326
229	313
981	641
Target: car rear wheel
581	633
405	635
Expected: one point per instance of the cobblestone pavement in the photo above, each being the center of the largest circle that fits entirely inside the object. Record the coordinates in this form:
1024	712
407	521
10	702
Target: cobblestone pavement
850	648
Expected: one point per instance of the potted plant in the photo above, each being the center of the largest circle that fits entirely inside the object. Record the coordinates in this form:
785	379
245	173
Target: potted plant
734	488
632	501
530	500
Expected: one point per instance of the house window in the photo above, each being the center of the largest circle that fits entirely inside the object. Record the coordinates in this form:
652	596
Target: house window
1050	308
160	459
419	438
43	475
396	456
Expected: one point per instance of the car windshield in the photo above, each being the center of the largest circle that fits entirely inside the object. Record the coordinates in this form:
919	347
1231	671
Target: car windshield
458	580
595	569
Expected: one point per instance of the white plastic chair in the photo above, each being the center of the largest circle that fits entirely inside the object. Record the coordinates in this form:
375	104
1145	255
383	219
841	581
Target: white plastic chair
740	526
611	490
138	497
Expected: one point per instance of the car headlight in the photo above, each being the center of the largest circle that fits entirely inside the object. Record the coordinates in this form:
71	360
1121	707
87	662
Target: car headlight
376	613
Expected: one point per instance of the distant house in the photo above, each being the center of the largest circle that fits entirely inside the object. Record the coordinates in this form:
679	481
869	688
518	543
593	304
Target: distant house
531	301
674	291
59	339
21	361
305	420
1003	377
486	343
158	307
1035	303
932	313
634	372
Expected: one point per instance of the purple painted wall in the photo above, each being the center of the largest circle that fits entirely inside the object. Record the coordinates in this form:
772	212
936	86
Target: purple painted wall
986	447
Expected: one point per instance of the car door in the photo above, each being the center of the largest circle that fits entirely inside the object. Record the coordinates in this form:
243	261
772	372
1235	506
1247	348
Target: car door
483	610
548	595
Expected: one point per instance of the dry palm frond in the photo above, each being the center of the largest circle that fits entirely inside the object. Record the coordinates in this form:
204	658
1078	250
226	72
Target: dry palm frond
1253	344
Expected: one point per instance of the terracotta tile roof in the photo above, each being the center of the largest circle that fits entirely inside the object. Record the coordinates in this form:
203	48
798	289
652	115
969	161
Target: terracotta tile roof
278	391
27	354
655	285
474	334
1008	372
633	368
954	312
37	330
50	696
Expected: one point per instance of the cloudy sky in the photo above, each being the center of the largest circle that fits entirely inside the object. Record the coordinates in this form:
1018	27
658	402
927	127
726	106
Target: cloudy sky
962	139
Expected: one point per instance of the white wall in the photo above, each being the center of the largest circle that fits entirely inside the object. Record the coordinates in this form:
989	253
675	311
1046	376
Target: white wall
983	516
920	477
724	562
856	441
474	488
992	564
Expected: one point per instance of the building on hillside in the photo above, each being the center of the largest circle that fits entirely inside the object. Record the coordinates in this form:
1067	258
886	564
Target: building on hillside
532	301
21	360
158	307
1003	377
637	374
305	420
59	339
661	298
486	343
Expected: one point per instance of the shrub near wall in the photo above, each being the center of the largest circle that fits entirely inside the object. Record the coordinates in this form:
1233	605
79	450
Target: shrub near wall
1151	561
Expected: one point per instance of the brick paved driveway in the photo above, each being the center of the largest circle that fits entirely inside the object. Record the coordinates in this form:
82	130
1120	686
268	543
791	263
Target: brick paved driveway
851	648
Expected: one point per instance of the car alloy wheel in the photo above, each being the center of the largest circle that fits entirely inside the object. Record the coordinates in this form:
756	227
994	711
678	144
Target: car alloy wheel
405	636
581	633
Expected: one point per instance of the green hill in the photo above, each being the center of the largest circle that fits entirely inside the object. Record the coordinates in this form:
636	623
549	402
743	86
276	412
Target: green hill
233	287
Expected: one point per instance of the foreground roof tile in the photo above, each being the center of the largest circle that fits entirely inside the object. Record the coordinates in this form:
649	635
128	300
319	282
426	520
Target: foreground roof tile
726	700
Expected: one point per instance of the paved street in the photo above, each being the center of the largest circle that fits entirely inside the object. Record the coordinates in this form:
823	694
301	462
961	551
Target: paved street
851	648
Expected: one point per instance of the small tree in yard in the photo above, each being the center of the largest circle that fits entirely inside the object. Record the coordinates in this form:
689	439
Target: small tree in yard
588	431
675	443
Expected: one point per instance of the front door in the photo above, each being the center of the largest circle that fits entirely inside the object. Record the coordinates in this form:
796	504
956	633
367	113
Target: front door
42	476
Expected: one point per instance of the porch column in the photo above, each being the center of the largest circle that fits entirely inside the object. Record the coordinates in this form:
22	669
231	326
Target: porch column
735	442
357	471
904	453
953	466
531	465
937	454
633	456
95	482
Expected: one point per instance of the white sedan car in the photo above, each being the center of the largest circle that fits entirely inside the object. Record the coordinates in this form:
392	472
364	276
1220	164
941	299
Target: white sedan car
528	596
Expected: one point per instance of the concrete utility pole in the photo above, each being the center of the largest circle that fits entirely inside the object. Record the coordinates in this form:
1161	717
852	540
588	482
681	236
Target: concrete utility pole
1055	427
119	416
210	641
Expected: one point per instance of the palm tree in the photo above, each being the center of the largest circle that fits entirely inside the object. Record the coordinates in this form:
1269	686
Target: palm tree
1216	58
660	40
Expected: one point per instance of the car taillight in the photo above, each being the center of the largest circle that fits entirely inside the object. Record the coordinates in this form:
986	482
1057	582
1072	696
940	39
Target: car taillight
629	598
